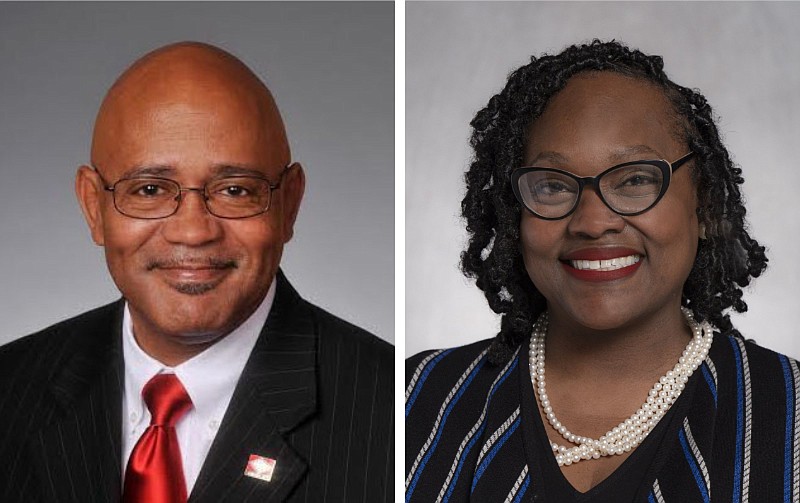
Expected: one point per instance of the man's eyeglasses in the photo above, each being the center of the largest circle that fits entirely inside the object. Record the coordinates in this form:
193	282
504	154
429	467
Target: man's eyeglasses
150	197
627	189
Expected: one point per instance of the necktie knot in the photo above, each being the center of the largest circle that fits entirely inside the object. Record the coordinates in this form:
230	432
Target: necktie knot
166	399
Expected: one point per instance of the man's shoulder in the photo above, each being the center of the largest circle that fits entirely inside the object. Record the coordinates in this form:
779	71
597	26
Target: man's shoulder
335	331
331	329
53	342
33	373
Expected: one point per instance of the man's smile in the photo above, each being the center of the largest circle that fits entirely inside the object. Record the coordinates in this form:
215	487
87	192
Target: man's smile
193	276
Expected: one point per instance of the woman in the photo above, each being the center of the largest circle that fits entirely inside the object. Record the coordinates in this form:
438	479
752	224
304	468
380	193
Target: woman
607	228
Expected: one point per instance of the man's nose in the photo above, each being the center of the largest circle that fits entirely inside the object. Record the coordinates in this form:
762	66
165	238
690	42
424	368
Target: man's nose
592	218
192	224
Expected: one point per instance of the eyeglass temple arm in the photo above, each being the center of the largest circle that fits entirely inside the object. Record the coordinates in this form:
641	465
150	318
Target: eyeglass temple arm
680	162
277	185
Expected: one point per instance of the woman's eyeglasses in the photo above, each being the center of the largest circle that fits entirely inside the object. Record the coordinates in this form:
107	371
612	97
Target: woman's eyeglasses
627	189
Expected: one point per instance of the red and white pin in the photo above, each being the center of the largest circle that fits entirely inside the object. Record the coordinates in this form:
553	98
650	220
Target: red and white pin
260	467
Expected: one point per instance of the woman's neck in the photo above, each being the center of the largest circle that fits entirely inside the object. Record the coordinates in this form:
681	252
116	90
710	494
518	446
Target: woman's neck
642	349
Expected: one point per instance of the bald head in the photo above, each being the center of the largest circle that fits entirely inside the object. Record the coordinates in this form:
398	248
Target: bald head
196	81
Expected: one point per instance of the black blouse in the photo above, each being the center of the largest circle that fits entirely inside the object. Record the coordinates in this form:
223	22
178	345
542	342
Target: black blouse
623	484
473	433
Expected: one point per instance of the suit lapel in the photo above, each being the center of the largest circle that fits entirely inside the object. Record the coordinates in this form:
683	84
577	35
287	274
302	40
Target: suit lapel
78	452
276	392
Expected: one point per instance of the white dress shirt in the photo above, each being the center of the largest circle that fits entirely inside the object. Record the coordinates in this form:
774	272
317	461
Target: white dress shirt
209	378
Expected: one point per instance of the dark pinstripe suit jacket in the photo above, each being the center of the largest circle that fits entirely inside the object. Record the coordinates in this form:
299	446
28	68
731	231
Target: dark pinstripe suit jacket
316	395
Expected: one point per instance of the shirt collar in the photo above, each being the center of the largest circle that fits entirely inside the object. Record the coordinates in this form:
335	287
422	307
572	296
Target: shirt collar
209	377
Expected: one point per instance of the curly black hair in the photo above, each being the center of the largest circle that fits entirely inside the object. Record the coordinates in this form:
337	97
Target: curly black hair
726	260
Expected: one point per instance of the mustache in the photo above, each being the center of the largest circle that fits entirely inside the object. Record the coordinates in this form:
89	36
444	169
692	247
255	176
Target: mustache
191	262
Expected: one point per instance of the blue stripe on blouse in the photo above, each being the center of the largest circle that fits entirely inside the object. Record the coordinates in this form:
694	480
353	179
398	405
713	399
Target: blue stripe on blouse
787	451
488	459
522	489
447	411
737	466
478	433
471	443
710	380
698	478
423	377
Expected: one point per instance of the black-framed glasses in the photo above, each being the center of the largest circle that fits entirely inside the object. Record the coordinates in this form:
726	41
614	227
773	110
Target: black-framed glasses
630	188
152	197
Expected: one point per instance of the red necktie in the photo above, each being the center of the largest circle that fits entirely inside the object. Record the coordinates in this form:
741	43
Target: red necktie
155	471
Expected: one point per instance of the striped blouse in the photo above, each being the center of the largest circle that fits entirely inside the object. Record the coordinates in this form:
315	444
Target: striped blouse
472	431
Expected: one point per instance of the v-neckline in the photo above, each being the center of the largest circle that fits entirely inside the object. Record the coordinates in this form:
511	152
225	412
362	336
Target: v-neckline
638	465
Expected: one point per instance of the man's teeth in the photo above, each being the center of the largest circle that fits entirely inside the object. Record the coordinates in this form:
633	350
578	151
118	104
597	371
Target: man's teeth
604	265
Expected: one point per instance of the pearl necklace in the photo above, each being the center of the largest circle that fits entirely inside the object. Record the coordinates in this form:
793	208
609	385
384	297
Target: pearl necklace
630	433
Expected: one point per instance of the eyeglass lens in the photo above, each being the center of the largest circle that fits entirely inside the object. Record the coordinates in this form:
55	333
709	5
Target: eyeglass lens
234	197
627	190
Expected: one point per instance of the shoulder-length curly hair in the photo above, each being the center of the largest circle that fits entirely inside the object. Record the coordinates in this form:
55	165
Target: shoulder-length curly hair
726	261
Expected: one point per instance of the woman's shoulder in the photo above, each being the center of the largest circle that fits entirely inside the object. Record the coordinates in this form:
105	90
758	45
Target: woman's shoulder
442	369
743	363
460	374
459	404
747	352
455	357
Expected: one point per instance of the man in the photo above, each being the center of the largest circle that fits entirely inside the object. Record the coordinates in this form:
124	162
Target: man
211	379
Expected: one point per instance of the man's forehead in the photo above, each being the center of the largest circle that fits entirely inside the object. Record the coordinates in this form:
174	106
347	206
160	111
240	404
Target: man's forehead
184	73
201	63
186	90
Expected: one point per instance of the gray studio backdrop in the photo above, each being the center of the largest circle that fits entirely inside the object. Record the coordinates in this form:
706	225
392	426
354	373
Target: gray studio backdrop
331	69
742	56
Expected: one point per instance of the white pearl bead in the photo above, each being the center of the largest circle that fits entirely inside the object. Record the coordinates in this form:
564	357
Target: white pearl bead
633	430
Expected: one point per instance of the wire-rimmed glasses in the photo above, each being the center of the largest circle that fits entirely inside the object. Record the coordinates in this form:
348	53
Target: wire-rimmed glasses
152	197
630	188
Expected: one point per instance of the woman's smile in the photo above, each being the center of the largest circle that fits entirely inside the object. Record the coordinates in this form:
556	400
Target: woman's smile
601	264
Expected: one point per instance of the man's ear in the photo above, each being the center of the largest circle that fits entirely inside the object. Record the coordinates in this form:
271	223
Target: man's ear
89	188
293	188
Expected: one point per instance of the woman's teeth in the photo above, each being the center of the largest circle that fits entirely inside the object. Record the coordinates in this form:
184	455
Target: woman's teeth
604	265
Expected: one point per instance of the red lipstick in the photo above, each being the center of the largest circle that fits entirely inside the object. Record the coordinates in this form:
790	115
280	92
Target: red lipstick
598	254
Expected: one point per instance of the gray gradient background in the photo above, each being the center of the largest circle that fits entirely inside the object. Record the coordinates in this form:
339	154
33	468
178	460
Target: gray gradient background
742	56
331	69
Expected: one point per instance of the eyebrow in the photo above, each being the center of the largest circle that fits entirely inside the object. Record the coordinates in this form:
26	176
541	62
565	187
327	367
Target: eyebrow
625	153
218	170
549	155
619	155
236	170
138	171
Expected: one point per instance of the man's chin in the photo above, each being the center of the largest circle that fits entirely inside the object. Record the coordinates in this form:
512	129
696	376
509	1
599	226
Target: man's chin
190	308
194	288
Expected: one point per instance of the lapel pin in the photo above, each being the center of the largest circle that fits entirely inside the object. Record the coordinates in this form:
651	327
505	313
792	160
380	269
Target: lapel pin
260	467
